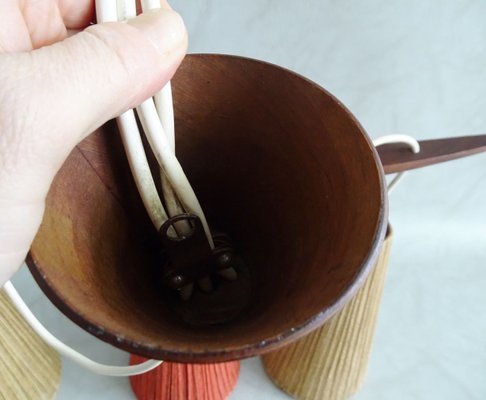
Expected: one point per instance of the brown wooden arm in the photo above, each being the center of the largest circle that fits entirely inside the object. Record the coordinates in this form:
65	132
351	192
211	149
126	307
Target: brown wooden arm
398	157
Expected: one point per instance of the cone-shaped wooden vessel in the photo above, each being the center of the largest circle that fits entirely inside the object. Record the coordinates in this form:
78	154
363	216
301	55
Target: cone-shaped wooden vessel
29	369
277	163
331	362
177	381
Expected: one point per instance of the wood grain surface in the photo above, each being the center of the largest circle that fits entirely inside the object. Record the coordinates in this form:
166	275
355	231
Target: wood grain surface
398	157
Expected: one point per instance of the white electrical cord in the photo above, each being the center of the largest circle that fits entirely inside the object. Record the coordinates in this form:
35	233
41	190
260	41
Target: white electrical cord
112	11
67	351
408	140
161	140
150	5
137	160
126	9
157	118
159	143
165	109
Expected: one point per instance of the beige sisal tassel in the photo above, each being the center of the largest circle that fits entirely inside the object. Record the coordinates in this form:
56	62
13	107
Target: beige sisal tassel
29	369
331	362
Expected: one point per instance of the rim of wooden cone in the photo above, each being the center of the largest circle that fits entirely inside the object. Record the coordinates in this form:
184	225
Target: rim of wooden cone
299	131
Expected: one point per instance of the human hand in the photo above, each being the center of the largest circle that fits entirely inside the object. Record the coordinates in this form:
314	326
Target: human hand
55	90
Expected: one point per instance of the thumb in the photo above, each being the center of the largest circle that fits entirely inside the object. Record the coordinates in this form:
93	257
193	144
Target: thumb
78	84
60	93
72	87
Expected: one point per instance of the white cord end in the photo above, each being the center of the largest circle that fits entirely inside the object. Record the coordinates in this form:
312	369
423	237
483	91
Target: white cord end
405	139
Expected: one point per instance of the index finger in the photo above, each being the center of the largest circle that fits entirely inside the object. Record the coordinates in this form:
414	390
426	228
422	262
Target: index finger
77	14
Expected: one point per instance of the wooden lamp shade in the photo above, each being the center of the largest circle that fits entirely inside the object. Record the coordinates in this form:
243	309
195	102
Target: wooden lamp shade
277	163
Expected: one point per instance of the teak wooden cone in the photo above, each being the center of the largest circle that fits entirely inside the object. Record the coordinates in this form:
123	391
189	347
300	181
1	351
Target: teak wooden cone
29	369
182	381
331	362
278	164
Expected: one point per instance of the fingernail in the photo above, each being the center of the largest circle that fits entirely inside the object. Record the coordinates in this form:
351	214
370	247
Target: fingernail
164	28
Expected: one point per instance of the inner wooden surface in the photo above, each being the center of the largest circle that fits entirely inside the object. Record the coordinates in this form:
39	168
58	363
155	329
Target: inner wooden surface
276	162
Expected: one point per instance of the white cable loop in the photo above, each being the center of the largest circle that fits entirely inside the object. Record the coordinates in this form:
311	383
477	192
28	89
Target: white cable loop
405	139
109	11
69	352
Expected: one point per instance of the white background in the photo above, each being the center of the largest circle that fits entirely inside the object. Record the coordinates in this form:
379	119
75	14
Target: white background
412	67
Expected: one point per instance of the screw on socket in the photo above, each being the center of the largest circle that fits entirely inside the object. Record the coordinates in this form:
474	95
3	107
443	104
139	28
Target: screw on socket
189	257
220	274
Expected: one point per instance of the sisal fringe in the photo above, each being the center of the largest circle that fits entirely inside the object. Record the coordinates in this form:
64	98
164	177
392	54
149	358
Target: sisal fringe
29	369
331	362
176	381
